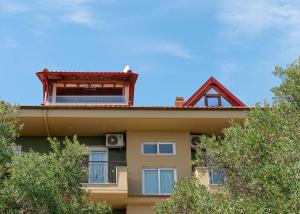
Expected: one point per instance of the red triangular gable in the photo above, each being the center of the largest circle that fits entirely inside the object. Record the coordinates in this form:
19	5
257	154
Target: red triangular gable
213	83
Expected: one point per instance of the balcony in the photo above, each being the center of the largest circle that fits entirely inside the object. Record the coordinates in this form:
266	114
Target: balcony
106	100
107	181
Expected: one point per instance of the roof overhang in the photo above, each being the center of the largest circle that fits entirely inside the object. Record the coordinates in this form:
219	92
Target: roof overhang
64	77
89	121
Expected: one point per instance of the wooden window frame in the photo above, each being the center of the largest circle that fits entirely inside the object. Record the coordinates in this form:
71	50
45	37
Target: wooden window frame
218	96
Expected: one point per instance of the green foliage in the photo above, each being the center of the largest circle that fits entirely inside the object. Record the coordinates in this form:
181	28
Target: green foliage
49	183
8	134
261	159
290	87
189	197
42	183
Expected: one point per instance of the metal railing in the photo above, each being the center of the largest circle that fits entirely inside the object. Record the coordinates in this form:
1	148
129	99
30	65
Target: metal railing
88	99
102	172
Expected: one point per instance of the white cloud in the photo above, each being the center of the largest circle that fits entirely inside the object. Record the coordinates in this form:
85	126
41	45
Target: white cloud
79	12
253	17
147	46
279	20
8	43
12	7
74	11
169	48
83	18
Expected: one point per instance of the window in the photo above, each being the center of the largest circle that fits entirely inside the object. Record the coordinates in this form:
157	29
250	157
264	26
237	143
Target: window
98	165
216	176
150	148
18	149
158	181
213	100
166	148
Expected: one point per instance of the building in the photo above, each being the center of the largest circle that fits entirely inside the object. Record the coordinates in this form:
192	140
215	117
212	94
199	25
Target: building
136	152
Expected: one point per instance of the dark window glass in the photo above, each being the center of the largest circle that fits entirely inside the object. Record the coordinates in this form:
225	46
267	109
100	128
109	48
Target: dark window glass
166	148
150	148
216	176
68	91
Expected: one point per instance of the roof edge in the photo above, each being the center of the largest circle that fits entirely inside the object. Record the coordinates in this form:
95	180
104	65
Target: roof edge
184	108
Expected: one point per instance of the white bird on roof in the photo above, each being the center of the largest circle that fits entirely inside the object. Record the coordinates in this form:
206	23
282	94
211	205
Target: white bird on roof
126	69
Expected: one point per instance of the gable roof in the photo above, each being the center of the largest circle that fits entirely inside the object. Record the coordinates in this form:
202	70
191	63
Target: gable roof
213	83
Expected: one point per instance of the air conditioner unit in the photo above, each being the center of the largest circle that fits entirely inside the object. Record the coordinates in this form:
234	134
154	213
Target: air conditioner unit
114	140
195	140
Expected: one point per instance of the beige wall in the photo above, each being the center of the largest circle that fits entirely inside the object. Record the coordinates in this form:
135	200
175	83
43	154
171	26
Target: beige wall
136	161
133	209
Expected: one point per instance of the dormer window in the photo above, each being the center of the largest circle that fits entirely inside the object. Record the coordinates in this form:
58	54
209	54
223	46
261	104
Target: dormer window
213	100
213	93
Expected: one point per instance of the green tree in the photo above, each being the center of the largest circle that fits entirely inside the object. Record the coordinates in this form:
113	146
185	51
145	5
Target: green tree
261	159
189	197
42	183
8	133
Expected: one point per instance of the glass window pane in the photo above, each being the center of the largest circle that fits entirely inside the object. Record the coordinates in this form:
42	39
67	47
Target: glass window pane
166	181
166	148
150	148
212	101
151	181
216	176
98	170
98	156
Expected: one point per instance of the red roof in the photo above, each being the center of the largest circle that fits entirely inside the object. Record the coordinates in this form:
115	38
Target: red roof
47	75
212	82
50	77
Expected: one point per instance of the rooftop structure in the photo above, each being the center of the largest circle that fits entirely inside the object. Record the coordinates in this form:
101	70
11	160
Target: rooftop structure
89	88
117	89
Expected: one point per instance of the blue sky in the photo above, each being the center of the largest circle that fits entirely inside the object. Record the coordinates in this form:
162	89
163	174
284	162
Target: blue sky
174	45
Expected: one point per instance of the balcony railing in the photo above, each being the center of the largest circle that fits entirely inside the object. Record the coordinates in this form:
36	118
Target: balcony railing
88	99
102	172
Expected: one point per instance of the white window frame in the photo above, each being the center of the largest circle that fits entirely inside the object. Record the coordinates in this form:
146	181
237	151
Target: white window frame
157	143
97	149
158	179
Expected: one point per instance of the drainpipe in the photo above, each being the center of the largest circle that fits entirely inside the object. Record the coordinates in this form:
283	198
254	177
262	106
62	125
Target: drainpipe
46	122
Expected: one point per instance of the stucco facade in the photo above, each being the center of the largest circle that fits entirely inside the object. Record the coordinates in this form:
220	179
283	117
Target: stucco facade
93	105
138	126
136	161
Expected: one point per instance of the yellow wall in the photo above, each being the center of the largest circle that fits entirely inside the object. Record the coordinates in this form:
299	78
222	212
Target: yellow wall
136	161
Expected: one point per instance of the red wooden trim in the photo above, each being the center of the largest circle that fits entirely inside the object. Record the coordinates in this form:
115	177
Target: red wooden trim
207	96
50	77
212	82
